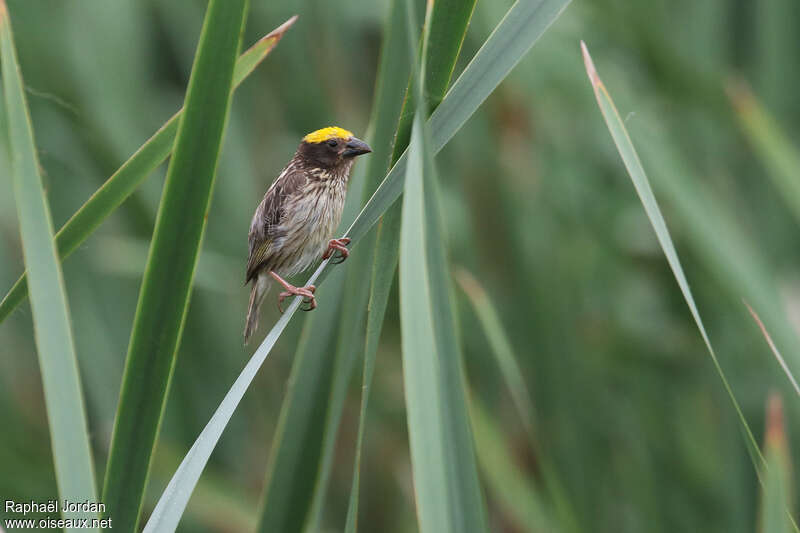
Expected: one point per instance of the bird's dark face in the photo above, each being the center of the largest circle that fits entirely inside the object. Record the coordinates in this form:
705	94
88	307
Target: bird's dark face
332	147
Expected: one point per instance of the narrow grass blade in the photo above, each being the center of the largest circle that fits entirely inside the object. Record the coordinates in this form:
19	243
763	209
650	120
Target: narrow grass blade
516	495
528	19
167	281
635	170
133	172
445	476
776	491
54	343
501	347
773	147
774	349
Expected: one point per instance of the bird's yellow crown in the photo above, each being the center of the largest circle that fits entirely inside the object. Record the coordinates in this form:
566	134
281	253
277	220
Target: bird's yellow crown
332	132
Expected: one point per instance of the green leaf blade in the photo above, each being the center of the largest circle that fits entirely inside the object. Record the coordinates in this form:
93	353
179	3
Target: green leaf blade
166	286
54	342
642	185
442	456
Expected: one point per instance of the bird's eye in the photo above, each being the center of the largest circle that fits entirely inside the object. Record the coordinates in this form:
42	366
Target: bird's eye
333	143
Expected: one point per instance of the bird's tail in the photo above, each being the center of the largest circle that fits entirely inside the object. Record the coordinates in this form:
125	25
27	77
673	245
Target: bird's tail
257	292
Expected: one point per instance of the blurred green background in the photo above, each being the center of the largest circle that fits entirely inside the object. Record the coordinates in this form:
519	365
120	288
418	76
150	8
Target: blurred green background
629	411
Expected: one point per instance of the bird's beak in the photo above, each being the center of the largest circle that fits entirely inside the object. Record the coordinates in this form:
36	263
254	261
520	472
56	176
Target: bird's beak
356	147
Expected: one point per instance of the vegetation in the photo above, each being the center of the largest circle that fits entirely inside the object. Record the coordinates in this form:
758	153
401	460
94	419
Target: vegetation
509	346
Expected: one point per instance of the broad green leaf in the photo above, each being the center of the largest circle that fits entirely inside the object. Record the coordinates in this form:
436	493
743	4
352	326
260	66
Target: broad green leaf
642	185
443	465
69	433
133	172
773	147
776	490
167	281
528	20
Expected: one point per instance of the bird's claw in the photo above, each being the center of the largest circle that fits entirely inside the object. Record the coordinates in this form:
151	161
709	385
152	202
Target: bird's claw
337	245
308	296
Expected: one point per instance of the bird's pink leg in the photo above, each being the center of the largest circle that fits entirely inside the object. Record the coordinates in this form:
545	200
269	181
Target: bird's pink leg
337	245
306	292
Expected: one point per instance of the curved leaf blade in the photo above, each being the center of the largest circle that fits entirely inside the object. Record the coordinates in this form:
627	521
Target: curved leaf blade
54	343
642	185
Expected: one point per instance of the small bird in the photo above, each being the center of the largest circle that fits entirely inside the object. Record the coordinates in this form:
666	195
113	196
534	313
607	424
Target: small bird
293	225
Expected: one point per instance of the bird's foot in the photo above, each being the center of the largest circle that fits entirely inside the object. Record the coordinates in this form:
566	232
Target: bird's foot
337	245
306	292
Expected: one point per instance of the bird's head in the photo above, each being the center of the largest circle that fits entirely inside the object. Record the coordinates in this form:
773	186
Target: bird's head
331	147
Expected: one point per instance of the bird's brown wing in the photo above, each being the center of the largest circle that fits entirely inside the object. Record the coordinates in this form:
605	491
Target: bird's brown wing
265	227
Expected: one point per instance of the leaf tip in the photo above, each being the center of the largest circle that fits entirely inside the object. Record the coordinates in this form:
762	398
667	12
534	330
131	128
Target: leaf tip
589	64
775	436
760	325
469	284
740	94
278	32
3	12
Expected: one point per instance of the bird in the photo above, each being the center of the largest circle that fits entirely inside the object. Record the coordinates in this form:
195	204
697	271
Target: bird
293	226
